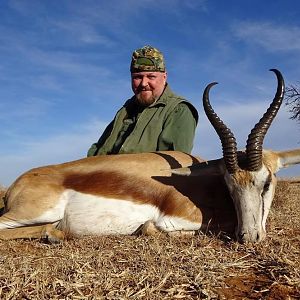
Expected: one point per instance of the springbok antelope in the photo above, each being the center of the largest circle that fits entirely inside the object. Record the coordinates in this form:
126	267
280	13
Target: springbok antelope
153	192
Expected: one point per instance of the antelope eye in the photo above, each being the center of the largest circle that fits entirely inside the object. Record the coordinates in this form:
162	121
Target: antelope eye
266	186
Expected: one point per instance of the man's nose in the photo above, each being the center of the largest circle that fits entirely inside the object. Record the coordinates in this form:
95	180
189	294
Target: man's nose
144	81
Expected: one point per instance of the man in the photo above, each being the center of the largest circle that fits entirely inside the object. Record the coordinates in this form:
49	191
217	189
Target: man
154	119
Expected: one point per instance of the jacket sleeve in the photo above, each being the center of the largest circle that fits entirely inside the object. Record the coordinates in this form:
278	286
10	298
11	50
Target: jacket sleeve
179	129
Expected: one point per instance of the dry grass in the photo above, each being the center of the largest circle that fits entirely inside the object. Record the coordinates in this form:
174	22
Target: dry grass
202	267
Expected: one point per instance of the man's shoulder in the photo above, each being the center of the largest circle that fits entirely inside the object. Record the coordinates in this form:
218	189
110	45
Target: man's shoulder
180	103
171	95
184	106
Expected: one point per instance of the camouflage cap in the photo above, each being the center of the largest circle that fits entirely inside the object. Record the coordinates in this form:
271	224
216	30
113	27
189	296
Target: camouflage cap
147	59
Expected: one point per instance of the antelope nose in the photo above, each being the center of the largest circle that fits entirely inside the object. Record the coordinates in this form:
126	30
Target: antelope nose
260	236
254	237
241	237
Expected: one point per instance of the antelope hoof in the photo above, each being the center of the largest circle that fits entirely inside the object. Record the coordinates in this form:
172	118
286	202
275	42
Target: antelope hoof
148	228
182	233
53	235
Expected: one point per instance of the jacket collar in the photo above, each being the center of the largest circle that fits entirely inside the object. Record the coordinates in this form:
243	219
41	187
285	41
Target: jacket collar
164	97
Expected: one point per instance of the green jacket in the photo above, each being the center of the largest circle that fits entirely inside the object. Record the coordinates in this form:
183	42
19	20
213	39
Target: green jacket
167	124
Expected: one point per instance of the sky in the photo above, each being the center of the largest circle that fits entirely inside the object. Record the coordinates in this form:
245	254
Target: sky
64	70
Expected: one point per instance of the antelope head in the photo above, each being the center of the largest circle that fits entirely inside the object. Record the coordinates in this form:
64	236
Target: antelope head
250	175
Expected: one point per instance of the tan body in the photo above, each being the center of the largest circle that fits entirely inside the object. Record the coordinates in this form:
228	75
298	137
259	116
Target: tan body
138	178
118	194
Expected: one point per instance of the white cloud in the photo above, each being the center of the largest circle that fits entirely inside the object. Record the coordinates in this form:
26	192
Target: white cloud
29	108
24	7
51	150
78	32
271	36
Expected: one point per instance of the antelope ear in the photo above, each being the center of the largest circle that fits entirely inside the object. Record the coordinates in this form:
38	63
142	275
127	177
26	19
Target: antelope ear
212	167
288	158
182	171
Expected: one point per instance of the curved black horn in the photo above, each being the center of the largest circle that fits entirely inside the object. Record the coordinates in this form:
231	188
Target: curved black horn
226	136
256	137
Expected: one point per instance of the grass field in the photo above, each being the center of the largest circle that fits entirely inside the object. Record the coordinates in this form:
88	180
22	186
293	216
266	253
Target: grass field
129	267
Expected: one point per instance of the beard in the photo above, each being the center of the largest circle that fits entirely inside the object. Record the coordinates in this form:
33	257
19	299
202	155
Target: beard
144	98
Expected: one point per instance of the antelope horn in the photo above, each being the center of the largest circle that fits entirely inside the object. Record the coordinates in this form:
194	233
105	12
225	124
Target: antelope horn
256	137
226	136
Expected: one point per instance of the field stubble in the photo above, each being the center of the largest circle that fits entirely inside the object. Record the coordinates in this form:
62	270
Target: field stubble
128	267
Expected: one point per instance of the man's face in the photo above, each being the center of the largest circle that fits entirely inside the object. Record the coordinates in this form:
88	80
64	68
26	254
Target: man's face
148	86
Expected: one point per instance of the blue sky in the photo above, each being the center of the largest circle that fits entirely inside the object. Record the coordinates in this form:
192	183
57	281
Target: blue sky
64	70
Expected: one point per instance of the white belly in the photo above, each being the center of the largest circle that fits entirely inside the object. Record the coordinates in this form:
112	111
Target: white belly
95	215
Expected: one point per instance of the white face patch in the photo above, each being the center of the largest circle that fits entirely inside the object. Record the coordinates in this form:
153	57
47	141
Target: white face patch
252	203
266	184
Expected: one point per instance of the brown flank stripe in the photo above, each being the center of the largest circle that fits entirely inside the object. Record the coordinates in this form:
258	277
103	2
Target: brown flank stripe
139	190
